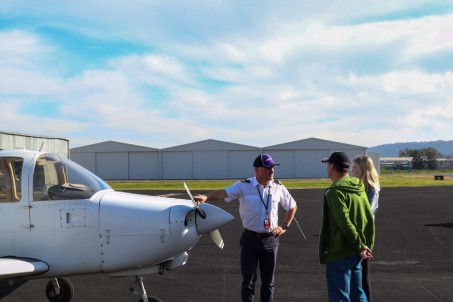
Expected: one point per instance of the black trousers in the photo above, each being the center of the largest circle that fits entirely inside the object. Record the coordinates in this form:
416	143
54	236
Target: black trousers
262	252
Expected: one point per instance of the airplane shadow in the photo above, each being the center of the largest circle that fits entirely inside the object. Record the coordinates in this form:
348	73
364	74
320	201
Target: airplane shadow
6	288
443	225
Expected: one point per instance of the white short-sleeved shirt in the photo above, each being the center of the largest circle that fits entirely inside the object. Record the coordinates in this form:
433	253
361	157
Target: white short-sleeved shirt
252	207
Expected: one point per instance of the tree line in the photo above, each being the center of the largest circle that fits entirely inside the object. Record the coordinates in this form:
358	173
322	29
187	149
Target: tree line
422	158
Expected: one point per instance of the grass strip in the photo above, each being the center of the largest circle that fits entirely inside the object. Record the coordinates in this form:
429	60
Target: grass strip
387	180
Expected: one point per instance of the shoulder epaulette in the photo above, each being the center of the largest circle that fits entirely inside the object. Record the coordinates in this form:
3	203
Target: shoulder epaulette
245	180
278	182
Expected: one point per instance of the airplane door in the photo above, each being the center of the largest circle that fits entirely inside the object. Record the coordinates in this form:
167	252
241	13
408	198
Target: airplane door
64	217
69	229
14	210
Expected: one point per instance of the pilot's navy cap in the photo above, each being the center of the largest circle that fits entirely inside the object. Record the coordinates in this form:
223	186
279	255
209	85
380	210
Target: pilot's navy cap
339	159
264	160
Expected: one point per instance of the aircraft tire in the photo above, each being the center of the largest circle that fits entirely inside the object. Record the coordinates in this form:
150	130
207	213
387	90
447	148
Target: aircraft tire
152	299
66	291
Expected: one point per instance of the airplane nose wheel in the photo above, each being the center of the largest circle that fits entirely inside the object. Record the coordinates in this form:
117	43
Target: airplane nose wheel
142	291
59	290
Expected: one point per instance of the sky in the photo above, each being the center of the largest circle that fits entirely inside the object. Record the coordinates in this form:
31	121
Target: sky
259	73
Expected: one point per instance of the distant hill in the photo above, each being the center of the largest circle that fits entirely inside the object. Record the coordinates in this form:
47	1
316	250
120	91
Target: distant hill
392	150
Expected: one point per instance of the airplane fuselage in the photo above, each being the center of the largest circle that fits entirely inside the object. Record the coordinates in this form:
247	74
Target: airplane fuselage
65	217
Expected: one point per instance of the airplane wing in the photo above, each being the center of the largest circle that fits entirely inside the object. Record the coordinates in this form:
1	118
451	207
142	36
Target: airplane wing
12	267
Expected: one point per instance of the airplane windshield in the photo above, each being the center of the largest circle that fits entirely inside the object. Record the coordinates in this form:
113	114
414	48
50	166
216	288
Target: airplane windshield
57	178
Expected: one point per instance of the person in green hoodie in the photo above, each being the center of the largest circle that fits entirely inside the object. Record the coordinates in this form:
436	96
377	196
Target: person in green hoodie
347	231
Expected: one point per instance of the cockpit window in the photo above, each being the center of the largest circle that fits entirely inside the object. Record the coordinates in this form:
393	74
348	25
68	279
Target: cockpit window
57	178
10	179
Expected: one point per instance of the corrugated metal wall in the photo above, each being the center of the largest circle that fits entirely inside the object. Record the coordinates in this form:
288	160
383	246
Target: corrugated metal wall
10	140
308	163
85	159
208	159
302	159
119	161
207	164
376	160
112	165
241	163
177	165
144	165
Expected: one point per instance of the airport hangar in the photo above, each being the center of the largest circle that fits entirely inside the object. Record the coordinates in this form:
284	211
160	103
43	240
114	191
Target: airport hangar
209	159
12	140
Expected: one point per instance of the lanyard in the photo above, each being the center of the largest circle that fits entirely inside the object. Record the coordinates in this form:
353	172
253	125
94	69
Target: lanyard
266	206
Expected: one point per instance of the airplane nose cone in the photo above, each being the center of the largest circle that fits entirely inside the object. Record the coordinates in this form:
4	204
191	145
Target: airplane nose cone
215	218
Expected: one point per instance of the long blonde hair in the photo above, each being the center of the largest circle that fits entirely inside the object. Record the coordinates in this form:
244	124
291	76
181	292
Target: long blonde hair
368	173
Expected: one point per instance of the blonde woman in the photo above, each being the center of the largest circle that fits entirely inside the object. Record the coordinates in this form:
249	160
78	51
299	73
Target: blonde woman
363	168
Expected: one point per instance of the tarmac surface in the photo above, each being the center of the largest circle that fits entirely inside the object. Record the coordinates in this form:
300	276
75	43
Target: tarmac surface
413	257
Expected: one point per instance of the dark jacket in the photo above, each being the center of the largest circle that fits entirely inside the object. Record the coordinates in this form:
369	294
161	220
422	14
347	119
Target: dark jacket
347	223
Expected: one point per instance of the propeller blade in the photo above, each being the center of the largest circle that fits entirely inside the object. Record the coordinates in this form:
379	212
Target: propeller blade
217	238
199	211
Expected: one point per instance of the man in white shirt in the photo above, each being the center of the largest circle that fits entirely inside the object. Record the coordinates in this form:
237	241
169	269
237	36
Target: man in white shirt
259	198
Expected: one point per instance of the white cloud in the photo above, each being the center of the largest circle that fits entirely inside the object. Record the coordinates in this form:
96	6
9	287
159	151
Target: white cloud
15	120
162	70
265	80
22	49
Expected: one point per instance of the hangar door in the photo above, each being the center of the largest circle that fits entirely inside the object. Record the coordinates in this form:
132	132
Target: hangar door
308	163
177	165
112	166
143	165
210	164
286	160
241	164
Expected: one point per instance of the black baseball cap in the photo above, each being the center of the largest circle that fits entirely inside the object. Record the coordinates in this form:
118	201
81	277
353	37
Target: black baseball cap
339	159
264	160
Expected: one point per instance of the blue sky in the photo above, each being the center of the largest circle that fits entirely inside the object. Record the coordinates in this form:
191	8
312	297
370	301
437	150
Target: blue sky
259	73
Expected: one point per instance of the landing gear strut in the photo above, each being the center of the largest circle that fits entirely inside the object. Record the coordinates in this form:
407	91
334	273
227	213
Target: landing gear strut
59	290
142	291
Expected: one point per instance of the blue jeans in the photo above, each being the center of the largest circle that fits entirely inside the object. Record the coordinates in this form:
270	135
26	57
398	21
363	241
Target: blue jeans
344	280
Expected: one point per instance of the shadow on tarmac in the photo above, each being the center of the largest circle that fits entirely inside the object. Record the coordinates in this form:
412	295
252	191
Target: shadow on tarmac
443	225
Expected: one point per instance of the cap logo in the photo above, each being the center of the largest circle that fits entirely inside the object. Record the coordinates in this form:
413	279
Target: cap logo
267	160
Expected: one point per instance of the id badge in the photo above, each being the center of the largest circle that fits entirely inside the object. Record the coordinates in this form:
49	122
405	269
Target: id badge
267	223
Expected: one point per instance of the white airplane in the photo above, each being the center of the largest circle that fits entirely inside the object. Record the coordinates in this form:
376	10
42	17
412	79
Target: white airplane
57	219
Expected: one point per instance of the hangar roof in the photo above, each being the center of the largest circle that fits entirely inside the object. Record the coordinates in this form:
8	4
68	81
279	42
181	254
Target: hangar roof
217	145
211	145
313	143
112	146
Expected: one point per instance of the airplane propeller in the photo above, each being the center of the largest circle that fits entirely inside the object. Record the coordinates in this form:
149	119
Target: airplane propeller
215	234
217	238
199	211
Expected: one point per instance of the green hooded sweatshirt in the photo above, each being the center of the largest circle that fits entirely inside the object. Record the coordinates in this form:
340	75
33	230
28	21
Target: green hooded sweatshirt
347	223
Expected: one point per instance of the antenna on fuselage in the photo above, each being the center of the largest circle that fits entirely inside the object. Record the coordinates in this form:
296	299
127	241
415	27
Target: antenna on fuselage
41	146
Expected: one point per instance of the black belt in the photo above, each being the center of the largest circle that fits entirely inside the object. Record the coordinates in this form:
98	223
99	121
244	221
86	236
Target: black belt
259	235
